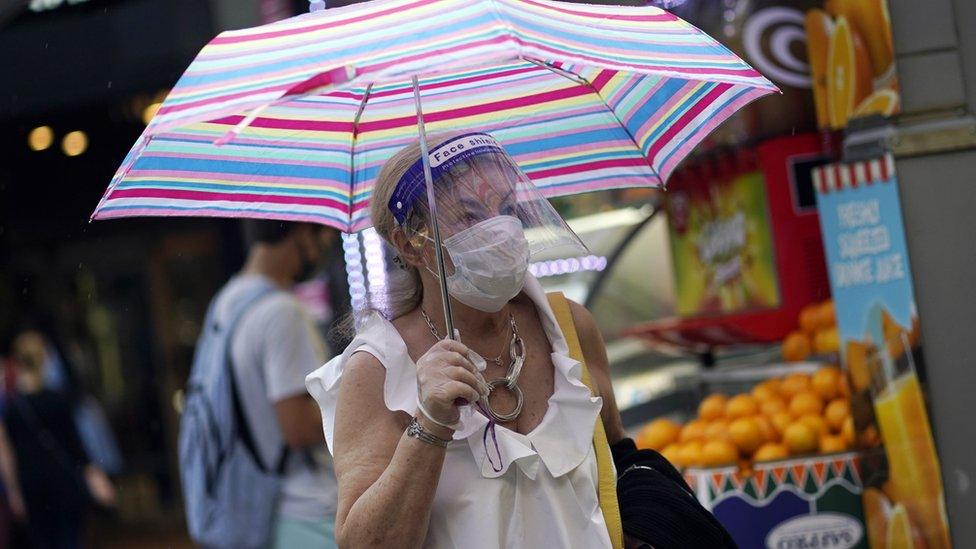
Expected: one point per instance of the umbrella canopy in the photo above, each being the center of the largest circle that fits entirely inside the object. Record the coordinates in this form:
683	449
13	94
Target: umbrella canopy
293	120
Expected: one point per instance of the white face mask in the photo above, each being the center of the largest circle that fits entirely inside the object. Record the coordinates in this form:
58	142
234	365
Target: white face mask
490	261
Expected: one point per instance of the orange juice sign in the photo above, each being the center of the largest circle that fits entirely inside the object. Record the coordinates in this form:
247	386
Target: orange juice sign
721	245
870	278
851	57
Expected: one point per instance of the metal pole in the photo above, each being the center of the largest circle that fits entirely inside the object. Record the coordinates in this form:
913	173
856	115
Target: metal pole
432	203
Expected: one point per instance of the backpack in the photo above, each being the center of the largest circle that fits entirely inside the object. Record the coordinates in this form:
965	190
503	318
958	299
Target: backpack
230	495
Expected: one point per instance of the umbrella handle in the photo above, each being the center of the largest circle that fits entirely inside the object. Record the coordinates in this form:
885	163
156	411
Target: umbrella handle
432	203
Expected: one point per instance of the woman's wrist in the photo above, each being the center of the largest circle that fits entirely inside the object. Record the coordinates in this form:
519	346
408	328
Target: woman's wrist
433	428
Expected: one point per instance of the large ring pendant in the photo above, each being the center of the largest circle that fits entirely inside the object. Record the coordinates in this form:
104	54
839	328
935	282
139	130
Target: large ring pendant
504	418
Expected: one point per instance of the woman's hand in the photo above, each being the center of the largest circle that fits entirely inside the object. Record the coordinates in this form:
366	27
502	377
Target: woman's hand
444	374
100	487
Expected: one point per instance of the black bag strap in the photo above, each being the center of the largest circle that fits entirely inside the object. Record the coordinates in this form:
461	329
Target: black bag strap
243	429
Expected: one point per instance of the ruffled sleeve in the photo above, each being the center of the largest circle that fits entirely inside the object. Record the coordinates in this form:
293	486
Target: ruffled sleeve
379	338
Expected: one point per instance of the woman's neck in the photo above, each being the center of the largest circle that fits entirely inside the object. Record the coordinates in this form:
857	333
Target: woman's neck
467	320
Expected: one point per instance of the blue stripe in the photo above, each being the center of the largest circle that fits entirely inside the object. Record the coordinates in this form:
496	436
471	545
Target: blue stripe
341	220
698	131
244	188
683	107
244	168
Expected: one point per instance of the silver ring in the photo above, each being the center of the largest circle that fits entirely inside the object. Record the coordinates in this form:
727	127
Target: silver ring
504	418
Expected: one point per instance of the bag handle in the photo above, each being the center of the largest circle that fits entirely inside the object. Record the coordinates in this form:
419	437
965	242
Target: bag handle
607	475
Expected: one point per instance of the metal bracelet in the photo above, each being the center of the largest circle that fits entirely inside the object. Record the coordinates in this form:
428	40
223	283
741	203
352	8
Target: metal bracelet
416	431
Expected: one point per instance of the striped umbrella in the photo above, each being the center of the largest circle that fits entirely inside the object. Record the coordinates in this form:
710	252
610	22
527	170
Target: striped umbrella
293	120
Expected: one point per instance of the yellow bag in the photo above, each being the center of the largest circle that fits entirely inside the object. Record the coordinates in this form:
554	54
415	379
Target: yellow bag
607	476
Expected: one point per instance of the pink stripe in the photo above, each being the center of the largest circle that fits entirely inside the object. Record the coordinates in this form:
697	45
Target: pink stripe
588	166
686	119
330	24
662	17
289	124
675	99
493	107
249	159
242	178
713	122
408	89
617	65
448	52
207	196
209	212
166	109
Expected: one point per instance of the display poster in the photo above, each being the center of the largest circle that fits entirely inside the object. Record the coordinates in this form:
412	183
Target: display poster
721	245
852	61
871	283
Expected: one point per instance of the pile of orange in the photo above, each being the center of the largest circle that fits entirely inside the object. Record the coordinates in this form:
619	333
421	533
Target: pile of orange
796	415
817	334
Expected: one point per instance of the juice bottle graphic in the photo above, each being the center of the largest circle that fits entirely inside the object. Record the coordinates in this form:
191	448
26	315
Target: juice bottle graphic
913	466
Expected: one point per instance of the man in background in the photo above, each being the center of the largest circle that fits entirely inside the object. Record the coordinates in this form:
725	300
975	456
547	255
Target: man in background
274	346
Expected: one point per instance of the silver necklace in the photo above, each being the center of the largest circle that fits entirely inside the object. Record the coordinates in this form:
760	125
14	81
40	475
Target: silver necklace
516	353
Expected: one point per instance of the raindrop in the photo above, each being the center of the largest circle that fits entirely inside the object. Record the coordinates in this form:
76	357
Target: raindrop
109	84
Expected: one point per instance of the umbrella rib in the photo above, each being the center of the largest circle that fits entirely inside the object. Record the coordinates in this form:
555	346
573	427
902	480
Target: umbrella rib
584	82
352	152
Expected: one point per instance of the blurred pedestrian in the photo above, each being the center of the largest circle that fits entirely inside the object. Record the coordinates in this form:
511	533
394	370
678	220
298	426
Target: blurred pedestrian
276	482
57	479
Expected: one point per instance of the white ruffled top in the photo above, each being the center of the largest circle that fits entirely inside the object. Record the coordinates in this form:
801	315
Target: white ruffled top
549	497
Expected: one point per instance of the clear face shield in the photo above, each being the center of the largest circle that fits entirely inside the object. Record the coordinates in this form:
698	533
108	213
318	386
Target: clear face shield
492	219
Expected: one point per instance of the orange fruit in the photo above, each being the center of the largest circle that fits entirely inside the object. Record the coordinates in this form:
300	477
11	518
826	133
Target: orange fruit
717	430
831	444
826	314
847	430
781	420
815	422
658	434
794	384
741	406
826	341
693	430
719	452
763	392
670	453
883	102
771	451
849	73
796	347
713	407
826	381
766	428
766	390
837	413
746	434
806	402
772	406
810	318
690	454
819	26
800	439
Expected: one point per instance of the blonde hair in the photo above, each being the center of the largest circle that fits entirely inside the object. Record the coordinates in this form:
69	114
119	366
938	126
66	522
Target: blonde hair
403	290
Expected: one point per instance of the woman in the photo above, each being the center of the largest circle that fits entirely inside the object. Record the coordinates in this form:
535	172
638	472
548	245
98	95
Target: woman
415	468
56	477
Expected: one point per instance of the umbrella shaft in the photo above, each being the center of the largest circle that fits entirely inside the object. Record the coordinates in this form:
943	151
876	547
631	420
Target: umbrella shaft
438	250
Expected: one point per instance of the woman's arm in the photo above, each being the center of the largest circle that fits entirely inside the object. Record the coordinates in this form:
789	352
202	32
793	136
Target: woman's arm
595	354
8	472
387	479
